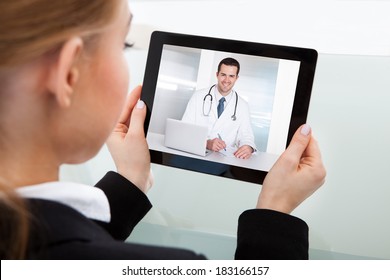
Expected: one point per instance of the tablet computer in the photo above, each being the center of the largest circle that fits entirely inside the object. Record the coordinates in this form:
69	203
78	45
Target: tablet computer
266	90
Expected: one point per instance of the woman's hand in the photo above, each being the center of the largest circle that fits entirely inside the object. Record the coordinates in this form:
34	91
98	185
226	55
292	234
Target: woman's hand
297	174
128	146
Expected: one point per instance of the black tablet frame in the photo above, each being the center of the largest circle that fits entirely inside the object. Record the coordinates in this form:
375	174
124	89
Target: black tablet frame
307	57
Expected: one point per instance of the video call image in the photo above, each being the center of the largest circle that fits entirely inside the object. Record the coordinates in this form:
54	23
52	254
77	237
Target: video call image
200	102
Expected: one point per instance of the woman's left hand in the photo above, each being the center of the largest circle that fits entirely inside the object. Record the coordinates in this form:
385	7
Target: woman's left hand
128	146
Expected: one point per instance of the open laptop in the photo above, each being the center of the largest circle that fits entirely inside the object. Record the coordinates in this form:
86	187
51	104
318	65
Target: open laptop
187	137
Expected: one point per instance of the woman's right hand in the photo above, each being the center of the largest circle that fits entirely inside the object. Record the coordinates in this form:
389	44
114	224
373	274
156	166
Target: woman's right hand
296	175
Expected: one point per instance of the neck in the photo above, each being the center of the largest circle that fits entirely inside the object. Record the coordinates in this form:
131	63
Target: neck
27	155
26	165
223	93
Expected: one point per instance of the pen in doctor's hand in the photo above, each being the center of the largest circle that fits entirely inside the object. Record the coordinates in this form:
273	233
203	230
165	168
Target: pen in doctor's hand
220	138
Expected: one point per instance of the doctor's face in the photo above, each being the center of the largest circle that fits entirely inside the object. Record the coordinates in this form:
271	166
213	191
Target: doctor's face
227	77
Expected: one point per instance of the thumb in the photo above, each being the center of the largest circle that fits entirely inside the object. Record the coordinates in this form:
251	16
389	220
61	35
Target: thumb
299	142
131	101
137	119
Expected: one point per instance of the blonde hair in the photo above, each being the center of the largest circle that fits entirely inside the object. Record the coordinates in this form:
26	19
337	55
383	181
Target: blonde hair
14	225
30	28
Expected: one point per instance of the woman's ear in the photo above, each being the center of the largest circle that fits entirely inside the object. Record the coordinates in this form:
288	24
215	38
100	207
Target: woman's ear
64	72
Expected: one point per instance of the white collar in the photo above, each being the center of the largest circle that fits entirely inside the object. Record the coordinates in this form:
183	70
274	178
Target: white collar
218	95
88	200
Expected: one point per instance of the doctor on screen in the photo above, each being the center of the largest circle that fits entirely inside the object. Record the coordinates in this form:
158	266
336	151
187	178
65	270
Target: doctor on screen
225	114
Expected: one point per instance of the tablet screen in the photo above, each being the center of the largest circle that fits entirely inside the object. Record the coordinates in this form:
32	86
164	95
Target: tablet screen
224	107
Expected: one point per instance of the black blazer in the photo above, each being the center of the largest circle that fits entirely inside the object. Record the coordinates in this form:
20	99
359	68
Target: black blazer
60	232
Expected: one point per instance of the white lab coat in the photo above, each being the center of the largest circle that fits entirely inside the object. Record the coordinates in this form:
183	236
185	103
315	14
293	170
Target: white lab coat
235	133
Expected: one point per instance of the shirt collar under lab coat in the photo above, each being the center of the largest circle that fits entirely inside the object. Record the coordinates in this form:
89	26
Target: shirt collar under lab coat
218	96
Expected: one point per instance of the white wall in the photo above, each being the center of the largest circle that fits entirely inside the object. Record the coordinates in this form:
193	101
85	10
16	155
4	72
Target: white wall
331	26
349	112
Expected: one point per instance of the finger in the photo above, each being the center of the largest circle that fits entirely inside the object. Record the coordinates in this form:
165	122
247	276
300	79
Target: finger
222	145
240	153
298	144
131	101
313	149
137	119
244	155
312	158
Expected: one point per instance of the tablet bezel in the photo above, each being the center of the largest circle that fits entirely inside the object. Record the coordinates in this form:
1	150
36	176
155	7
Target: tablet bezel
307	58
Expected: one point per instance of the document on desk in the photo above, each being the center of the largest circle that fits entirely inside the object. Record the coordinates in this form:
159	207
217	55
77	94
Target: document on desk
229	151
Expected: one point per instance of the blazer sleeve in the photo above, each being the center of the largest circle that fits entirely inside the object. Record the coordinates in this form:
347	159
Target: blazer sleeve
272	235
128	204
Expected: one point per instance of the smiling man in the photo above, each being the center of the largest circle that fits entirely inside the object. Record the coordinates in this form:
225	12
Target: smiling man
224	113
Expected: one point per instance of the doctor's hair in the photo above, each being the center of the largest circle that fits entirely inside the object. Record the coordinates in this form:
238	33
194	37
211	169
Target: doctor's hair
30	29
229	61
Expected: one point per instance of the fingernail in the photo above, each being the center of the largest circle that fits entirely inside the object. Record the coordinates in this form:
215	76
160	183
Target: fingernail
305	130
140	104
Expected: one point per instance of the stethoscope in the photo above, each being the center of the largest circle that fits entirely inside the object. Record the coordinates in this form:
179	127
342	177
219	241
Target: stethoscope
233	117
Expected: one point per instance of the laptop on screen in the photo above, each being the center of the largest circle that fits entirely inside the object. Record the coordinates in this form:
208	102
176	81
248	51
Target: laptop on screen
187	137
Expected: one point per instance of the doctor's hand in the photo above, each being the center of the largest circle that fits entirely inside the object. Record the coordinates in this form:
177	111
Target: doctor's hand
296	175
128	146
244	152
215	144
